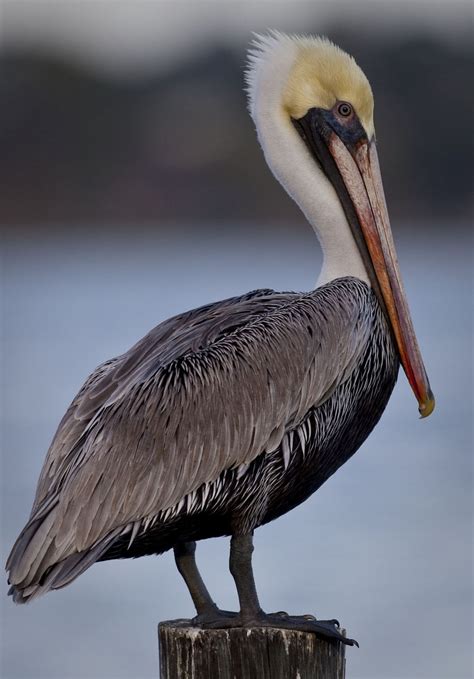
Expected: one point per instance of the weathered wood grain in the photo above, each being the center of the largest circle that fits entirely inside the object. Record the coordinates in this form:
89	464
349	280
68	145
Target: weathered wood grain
258	653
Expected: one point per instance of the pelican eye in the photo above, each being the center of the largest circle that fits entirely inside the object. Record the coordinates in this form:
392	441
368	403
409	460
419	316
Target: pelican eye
344	109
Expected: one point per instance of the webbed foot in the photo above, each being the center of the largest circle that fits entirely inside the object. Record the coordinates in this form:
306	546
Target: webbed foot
215	619
328	629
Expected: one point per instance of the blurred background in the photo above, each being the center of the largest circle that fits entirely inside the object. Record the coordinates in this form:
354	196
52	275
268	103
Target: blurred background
133	188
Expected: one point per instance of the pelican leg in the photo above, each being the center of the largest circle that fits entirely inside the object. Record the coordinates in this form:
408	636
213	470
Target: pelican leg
240	566
206	609
184	554
252	615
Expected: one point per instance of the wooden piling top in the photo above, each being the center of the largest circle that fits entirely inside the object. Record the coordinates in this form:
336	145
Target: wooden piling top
187	652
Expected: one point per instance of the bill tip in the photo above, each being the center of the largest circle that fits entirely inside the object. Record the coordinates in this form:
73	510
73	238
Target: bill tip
427	406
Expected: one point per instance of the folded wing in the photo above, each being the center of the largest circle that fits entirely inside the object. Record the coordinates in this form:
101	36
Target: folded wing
203	392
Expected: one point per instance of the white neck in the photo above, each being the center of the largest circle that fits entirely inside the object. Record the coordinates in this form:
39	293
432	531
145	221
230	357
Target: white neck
294	167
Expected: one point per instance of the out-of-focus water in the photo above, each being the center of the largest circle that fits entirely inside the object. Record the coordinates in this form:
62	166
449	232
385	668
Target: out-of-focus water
385	545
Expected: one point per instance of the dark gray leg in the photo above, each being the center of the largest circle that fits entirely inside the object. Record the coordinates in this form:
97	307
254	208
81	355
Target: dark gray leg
207	611
251	615
240	565
185	561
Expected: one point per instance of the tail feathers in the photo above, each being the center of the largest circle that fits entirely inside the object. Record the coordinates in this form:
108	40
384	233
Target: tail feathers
32	567
30	548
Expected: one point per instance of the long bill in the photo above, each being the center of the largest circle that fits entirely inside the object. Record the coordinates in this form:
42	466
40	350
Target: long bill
360	173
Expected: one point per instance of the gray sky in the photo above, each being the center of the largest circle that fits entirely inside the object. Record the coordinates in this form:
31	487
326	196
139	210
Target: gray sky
125	35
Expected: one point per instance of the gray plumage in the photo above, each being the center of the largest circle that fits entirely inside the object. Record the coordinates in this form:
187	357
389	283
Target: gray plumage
218	420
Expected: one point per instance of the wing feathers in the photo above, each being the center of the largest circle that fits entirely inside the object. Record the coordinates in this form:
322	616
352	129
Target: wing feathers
203	392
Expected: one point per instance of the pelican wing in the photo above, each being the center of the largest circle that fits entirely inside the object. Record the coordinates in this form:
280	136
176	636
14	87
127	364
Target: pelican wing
203	392
180	335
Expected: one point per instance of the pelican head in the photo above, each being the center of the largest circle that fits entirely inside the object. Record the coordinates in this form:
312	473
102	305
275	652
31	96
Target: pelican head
313	109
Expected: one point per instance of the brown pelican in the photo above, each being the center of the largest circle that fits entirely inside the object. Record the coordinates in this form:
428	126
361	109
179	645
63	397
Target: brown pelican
227	416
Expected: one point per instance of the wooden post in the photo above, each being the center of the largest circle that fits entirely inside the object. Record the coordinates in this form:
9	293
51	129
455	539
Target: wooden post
187	652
